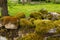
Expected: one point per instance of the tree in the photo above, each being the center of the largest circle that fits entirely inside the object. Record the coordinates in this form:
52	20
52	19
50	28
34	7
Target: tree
23	2
4	10
29	1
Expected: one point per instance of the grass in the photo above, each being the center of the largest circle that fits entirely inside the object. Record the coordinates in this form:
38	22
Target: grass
28	8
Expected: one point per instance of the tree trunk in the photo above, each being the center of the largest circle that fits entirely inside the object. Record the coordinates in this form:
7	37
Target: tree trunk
29	1
23	2
4	11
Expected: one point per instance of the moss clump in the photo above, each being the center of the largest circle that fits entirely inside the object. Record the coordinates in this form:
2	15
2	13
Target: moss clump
10	22
7	19
49	16
24	23
32	20
36	15
44	11
31	36
43	26
53	38
20	15
57	25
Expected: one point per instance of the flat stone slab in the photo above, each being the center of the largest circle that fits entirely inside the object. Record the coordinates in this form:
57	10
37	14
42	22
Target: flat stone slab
3	38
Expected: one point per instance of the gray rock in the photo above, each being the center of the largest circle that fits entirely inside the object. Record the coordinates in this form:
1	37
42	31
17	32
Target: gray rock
3	38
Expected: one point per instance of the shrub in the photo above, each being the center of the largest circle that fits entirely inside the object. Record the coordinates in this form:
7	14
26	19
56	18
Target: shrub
31	36
20	15
43	26
36	15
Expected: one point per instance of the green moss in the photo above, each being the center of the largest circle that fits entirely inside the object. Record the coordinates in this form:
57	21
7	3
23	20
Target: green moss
44	11
57	25
49	16
43	26
24	23
20	15
36	15
53	38
31	36
32	20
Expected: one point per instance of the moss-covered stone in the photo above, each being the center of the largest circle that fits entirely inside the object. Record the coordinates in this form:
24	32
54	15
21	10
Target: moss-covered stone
53	38
32	20
10	22
20	15
24	23
36	15
43	26
44	11
57	25
31	36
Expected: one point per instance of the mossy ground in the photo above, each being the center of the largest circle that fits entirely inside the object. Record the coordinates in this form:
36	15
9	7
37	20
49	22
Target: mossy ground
28	8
